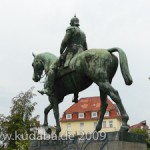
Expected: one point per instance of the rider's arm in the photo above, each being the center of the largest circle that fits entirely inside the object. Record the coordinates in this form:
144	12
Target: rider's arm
85	45
65	41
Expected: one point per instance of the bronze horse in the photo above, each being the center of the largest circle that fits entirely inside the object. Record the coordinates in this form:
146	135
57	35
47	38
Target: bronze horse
94	65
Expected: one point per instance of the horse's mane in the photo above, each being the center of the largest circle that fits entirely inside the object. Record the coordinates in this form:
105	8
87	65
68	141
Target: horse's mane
47	57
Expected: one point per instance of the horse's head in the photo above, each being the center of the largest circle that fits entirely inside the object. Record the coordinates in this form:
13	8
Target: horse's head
38	68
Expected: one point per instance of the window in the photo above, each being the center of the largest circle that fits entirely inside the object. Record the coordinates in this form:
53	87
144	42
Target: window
95	124
94	115
107	114
111	124
69	127
80	115
68	116
81	126
104	124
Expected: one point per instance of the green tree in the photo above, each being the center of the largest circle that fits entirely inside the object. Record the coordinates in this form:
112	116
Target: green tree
3	130
20	121
144	133
140	131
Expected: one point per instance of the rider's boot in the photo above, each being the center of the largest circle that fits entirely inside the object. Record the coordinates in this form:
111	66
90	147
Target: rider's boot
49	83
44	91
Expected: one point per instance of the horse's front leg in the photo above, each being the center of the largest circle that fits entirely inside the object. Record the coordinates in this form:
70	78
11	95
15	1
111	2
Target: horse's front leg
56	114
46	111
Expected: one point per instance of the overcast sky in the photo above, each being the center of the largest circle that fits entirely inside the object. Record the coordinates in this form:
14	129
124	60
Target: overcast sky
38	26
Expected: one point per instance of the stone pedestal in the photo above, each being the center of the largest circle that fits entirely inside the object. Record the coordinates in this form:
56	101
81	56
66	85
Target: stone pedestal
113	141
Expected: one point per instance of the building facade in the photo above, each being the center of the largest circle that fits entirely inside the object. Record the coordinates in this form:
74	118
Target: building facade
82	117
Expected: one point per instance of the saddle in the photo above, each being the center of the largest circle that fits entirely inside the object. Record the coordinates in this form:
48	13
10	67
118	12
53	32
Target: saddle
64	71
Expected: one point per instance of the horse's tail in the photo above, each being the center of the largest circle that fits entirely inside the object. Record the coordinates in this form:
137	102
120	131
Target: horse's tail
123	65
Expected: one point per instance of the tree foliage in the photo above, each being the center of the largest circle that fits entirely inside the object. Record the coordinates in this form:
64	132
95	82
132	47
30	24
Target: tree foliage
144	133
3	130
140	131
20	121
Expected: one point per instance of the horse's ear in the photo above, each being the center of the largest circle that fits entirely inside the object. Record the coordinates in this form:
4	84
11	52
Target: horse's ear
33	54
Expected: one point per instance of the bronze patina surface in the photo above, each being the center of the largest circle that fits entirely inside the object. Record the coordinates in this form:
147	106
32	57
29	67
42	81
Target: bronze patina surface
94	65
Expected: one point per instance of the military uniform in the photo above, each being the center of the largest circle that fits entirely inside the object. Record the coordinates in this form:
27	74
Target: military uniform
73	43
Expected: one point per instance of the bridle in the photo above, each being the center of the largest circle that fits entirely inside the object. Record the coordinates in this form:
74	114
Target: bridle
42	76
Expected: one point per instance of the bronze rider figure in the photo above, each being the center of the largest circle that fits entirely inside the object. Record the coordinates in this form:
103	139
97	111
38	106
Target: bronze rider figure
73	43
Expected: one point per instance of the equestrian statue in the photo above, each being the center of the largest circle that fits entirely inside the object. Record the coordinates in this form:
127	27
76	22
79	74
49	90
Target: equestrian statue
76	69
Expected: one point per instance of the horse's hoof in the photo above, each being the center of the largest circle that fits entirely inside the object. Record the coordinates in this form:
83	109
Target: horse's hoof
58	130
98	128
124	128
49	131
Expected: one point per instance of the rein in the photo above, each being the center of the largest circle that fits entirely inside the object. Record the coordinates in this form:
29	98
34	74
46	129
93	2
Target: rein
43	77
43	74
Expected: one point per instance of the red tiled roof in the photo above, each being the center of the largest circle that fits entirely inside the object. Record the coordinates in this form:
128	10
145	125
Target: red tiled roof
88	104
139	125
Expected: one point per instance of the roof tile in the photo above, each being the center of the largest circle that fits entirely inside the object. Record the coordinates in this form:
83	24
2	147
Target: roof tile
88	104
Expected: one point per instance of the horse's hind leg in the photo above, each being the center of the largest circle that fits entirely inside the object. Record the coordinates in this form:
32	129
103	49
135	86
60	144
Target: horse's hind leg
109	90
103	108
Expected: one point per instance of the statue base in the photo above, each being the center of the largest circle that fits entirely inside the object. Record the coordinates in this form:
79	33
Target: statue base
113	141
